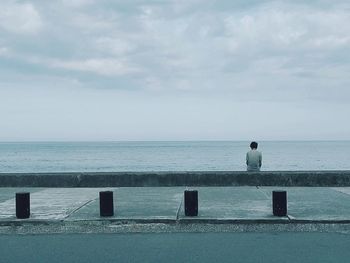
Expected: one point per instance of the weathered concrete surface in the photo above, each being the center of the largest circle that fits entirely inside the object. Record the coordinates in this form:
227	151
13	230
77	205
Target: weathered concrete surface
232	204
137	204
315	204
168	179
161	209
52	203
9	193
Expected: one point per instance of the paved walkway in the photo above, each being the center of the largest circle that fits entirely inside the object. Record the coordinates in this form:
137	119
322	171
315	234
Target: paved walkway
164	205
317	228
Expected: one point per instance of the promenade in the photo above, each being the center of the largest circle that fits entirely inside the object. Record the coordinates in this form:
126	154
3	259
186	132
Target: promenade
234	224
161	209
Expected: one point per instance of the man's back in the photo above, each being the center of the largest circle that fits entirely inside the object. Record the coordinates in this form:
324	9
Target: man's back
254	160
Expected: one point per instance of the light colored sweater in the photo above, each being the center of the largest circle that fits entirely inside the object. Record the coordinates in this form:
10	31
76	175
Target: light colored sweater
254	160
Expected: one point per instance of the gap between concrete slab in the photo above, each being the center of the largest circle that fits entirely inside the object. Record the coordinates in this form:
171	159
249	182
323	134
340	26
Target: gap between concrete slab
77	209
289	217
179	209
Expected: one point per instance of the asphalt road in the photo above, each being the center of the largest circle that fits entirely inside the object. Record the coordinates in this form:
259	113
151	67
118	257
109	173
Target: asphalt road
176	247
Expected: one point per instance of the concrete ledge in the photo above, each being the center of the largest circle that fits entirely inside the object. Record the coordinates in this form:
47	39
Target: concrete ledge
185	221
196	178
117	227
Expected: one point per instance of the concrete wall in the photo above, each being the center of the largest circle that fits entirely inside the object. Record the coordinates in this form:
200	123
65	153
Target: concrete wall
205	178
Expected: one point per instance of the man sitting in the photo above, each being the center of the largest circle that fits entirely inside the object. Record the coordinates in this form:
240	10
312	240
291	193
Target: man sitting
254	158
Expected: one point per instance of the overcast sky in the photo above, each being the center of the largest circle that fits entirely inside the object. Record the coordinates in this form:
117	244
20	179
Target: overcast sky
174	70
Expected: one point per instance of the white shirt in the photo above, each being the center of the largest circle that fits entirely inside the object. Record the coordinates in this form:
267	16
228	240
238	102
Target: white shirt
254	160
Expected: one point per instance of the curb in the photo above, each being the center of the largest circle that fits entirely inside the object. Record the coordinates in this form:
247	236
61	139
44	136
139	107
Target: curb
183	221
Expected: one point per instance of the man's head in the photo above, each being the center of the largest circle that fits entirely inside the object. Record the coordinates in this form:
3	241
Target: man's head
253	145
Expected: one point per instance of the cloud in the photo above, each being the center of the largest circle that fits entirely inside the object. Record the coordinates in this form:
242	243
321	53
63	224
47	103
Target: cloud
210	66
4	51
181	46
275	51
114	45
288	33
77	3
20	18
108	67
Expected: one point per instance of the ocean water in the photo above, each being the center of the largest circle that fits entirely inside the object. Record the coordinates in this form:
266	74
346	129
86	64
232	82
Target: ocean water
170	156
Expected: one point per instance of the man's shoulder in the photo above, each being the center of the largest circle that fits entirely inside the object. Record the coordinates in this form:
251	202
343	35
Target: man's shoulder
254	152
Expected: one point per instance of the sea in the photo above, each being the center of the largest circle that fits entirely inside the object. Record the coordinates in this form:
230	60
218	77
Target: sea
33	157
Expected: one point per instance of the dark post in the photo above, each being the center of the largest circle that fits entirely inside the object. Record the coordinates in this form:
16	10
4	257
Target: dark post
106	203
22	205
279	203
191	202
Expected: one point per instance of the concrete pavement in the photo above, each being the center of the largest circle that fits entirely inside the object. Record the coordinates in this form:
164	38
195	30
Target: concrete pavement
234	224
152	209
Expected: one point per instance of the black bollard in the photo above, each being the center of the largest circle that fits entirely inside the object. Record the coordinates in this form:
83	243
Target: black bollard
191	202
22	205
106	203
279	203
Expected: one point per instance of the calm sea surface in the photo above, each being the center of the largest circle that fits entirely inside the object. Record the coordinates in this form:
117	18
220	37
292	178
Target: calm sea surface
170	156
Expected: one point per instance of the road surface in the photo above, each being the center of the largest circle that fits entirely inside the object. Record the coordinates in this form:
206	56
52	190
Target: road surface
177	247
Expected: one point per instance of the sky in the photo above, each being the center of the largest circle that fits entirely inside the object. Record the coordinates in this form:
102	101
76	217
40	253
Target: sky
111	70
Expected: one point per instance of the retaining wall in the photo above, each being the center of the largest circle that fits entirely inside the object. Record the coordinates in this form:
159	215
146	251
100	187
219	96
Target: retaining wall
200	178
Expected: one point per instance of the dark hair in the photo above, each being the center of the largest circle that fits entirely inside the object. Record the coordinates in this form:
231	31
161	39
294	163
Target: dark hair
254	145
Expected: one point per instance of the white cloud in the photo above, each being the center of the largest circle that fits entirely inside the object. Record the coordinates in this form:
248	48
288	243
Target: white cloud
331	41
222	53
20	18
114	45
284	27
273	51
4	51
91	23
107	67
77	3
182	46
